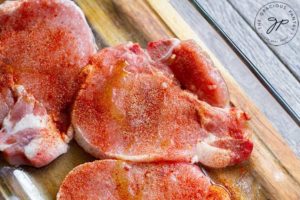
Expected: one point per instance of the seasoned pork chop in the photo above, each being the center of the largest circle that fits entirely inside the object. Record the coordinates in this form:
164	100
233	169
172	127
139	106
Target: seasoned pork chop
43	46
137	113
46	43
119	180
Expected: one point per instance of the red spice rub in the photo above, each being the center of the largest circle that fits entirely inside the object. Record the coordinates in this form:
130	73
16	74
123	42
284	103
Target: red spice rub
46	43
111	179
138	113
193	69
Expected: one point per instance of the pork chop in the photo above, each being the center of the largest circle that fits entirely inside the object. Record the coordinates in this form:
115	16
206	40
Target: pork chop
28	135
43	46
136	113
112	179
193	68
46	43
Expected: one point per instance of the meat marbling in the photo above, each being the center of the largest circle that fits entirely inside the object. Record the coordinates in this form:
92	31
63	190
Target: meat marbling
28	135
134	111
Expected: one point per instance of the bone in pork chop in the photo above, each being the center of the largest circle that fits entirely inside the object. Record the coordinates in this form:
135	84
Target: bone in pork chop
46	43
28	135
111	179
43	46
137	113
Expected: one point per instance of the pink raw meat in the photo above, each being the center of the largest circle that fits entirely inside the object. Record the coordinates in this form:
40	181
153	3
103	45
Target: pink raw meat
138	113
119	180
28	135
45	43
43	46
193	68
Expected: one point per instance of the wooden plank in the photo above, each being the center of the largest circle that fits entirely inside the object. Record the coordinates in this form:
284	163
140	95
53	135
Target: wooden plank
288	53
101	15
256	50
151	28
271	154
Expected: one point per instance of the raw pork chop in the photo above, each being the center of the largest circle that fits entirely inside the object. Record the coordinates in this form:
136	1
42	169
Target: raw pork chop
137	113
46	42
28	135
43	46
193	68
111	179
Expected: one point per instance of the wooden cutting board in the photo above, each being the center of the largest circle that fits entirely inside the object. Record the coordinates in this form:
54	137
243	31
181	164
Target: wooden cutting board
273	171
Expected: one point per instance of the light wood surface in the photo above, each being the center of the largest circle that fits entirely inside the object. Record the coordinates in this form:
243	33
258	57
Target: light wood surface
273	171
287	53
269	60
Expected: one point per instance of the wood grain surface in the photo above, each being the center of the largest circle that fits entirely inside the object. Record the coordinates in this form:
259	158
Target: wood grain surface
273	172
287	53
265	58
